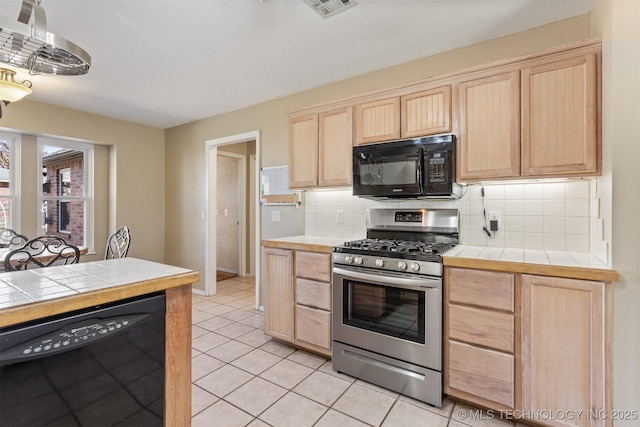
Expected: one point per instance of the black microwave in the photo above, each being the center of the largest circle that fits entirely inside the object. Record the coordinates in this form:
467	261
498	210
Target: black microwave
418	168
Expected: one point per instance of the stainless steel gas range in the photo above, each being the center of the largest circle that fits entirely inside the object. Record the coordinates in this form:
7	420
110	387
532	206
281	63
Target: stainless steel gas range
387	301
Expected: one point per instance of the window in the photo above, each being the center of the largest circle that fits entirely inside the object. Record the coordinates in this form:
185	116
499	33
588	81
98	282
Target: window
67	190
9	181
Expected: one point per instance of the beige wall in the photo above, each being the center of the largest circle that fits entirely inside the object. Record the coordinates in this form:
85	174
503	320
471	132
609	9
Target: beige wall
133	153
618	22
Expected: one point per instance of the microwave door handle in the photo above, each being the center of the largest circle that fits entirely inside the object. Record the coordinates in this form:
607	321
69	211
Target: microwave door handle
419	170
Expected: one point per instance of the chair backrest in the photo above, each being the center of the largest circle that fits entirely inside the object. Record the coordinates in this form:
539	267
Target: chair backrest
118	244
43	251
11	239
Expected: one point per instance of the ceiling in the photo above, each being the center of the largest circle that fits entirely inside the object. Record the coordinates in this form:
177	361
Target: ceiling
167	62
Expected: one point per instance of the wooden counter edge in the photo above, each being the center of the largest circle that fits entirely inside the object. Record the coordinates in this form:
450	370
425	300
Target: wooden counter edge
42	309
177	385
597	274
298	246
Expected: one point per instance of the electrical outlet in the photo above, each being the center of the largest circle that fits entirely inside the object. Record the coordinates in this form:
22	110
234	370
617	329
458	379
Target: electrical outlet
340	216
275	216
494	221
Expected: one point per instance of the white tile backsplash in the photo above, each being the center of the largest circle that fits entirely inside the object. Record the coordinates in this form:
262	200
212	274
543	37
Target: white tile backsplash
559	216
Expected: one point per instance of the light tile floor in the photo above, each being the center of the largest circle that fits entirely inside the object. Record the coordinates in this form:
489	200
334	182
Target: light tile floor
241	377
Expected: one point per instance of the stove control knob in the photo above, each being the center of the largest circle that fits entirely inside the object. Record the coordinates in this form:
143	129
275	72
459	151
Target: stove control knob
358	260
379	262
402	265
348	259
415	267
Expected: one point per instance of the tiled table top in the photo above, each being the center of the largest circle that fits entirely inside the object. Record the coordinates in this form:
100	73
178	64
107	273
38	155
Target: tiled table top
24	287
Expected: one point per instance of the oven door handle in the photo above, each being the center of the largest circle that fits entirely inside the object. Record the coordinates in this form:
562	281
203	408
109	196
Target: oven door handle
396	282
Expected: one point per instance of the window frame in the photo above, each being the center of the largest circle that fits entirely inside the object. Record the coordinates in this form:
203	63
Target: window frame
15	157
88	170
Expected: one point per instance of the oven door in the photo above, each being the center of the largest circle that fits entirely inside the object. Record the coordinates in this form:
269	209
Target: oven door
396	315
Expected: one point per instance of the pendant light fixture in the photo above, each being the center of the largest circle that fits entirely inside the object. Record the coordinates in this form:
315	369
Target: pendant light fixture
10	89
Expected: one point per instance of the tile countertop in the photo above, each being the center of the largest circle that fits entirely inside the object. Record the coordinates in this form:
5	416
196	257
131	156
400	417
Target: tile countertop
531	261
303	242
60	289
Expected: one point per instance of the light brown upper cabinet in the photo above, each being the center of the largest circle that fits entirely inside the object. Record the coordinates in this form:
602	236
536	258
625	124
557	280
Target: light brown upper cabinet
489	127
426	113
534	116
559	117
377	121
536	119
303	151
335	147
320	147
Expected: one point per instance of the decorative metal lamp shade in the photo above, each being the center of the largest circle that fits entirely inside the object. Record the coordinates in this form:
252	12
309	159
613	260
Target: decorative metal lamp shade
10	89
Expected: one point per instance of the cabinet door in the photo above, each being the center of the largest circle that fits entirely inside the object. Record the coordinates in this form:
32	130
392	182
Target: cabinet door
377	121
489	143
563	348
559	118
336	147
426	113
303	151
279	297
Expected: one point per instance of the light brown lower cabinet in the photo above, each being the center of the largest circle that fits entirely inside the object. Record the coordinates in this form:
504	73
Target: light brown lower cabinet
564	351
298	298
479	337
482	372
279	293
313	326
546	361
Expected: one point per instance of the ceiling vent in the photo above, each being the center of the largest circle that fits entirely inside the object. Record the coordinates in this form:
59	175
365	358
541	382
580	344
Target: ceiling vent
328	8
32	47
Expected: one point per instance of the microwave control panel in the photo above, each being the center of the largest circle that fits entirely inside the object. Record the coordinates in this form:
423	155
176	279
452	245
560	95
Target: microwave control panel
437	172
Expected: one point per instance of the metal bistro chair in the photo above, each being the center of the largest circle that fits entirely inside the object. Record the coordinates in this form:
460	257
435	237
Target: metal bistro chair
11	239
118	244
43	251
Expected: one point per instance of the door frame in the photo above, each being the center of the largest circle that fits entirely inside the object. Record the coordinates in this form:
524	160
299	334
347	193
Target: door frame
211	152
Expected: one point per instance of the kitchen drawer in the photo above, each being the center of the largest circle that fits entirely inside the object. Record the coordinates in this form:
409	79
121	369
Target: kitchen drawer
487	328
481	372
313	326
313	293
313	265
482	288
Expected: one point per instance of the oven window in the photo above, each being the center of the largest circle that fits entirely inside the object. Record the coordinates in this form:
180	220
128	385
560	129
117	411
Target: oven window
387	310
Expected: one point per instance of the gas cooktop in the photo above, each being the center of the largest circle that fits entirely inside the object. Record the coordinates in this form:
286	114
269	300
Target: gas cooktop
391	248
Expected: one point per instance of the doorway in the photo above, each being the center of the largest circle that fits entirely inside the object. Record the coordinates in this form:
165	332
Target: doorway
223	154
230	214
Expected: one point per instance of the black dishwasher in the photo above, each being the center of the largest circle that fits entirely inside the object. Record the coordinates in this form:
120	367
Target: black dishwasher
100	366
